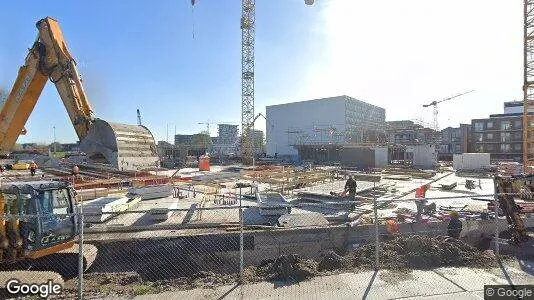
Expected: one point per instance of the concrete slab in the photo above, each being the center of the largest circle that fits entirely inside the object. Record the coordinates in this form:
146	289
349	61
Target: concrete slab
390	285
456	296
518	272
386	285
471	279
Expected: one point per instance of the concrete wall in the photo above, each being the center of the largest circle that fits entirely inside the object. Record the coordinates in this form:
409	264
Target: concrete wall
302	116
471	161
424	156
381	157
364	157
184	255
358	157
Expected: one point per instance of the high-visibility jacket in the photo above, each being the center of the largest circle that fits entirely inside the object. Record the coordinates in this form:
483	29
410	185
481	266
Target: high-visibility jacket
392	226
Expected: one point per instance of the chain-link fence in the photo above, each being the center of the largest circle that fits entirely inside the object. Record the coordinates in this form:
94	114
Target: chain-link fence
176	244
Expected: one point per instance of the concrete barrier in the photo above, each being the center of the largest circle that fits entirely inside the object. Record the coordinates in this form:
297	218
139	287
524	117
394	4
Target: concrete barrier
155	248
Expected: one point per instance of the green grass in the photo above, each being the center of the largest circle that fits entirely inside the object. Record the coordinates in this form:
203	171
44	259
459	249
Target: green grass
144	289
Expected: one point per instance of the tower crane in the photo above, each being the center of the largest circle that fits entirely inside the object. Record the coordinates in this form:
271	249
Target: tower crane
207	125
435	105
248	22
528	86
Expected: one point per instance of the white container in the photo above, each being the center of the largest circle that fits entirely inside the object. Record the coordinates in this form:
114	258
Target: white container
471	161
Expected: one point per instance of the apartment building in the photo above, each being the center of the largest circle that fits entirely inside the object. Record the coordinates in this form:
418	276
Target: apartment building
500	135
454	140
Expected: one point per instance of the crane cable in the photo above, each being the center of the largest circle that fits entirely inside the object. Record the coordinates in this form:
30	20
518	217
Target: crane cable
193	17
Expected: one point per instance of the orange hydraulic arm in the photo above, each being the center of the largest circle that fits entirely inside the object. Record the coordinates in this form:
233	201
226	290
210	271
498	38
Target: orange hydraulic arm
48	58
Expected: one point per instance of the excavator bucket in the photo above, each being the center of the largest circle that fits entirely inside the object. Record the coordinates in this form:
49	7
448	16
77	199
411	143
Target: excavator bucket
125	147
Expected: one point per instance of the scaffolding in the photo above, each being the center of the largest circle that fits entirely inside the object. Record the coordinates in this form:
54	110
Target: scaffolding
315	135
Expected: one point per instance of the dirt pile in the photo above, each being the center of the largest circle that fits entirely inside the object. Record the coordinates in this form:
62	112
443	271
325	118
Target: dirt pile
331	261
422	252
287	267
402	253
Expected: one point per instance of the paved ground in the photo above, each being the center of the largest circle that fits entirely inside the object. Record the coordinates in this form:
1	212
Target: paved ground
442	283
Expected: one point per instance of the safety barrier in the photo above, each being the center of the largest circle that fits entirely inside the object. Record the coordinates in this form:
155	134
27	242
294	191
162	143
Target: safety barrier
223	240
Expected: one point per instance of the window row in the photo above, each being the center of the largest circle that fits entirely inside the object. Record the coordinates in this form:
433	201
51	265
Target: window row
504	125
503	136
502	147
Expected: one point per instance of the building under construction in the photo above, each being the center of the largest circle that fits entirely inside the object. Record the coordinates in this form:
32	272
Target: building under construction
318	129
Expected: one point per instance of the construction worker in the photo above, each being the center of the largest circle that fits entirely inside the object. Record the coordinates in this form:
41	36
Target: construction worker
392	227
33	168
350	187
75	170
455	225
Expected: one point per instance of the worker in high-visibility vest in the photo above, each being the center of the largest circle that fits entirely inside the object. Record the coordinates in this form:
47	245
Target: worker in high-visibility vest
392	227
33	168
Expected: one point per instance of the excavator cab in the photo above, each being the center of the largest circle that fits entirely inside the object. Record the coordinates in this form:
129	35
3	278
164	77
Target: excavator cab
38	219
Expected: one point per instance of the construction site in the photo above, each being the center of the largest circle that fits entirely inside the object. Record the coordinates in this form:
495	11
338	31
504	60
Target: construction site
120	214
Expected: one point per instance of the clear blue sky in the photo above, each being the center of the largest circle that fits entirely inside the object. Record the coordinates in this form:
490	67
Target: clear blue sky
394	54
142	54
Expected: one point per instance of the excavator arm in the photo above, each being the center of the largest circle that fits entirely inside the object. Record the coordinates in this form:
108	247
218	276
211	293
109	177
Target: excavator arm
126	147
48	58
504	188
58	65
21	100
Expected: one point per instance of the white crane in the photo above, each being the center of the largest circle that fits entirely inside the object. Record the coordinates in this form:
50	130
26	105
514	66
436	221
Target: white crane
435	105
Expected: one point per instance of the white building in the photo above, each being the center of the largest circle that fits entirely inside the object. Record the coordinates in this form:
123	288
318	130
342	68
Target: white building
334	120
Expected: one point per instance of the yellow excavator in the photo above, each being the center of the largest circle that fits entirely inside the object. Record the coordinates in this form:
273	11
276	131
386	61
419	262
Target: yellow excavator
39	227
125	147
507	188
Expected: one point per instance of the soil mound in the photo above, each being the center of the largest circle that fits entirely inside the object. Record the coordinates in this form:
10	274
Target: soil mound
331	261
422	252
287	267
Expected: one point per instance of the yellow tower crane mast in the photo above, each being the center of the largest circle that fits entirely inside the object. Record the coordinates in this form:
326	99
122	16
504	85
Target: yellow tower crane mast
248	22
